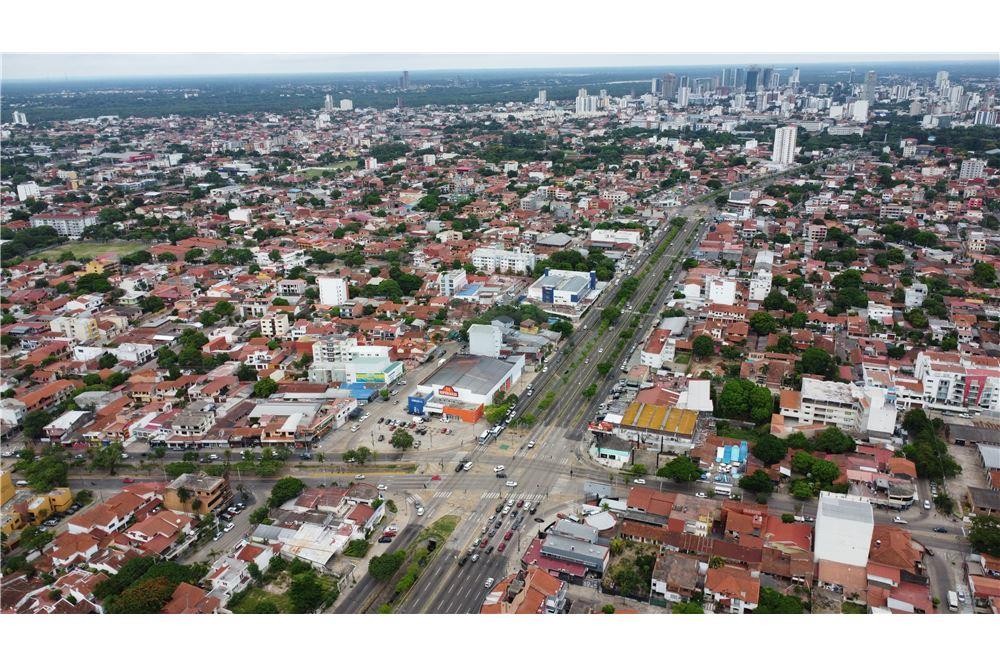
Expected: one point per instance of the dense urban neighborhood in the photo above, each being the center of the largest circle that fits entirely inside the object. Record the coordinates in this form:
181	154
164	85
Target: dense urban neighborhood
715	341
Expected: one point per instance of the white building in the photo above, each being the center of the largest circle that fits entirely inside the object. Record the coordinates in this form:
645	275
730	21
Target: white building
616	236
275	326
867	410
451	282
485	340
954	382
859	111
494	259
332	291
971	169
844	527
346	105
760	284
784	145
720	290
29	189
915	295
562	288
65	224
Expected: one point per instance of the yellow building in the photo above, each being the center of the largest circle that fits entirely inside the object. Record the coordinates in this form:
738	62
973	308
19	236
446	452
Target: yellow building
199	493
7	489
10	521
45	505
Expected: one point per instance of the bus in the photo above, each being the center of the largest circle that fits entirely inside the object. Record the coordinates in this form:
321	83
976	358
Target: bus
484	437
952	601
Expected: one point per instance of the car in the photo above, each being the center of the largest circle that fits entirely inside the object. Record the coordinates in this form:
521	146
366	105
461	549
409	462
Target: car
499	507
226	516
531	444
489	550
501	475
229	527
217	537
462	560
385	539
486	528
305	456
51	522
639	480
545	369
211	457
381	420
534	508
475	557
125	480
927	504
509	534
940	529
242	506
355	428
420	511
498	468
701	494
359	476
511	483
381	437
501	547
382	487
367	415
436	478
899	519
488	583
396	402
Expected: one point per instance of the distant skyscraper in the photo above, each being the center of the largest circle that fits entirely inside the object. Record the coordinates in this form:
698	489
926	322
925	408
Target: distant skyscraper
669	86
740	78
765	77
941	80
752	79
683	94
773	81
346	105
871	81
20	118
585	103
328	103
542	97
784	145
793	80
404	81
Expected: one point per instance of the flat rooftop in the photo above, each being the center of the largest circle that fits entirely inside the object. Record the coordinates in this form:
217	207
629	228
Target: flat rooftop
476	374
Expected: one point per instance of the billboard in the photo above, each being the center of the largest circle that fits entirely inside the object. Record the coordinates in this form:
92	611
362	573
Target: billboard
448	390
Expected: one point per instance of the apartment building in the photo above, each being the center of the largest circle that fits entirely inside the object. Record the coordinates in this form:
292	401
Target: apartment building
196	493
954	382
495	259
870	410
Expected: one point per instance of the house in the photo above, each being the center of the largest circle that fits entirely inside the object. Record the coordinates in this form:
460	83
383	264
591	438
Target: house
527	591
110	516
189	599
163	533
734	588
676	577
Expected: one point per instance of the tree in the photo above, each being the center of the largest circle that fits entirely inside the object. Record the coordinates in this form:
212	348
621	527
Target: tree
34	422
833	441
757	482
381	568
145	597
107	360
305	592
984	274
608	609
617	546
108	457
984	536
590	391
363	454
688	607
266	607
770	449
681	469
771	601
264	388
703	346
284	490
763	323
816	361
824	472
246	373
401	439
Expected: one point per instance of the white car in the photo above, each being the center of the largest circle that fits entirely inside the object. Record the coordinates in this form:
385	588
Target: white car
383	487
359	476
420	511
927	504
701	494
229	527
545	369
489	582
213	457
531	443
498	468
899	519
640	480
511	483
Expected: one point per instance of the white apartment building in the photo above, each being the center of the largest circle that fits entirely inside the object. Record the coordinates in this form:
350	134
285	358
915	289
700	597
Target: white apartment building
720	290
867	410
451	282
760	284
332	291
77	329
65	224
954	382
29	189
493	259
915	295
275	326
844	527
971	168
784	145
485	340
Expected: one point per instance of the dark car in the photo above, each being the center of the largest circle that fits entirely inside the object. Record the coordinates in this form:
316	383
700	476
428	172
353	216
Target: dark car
520	503
305	456
501	475
385	539
458	468
939	529
461	561
489	550
499	508
534	508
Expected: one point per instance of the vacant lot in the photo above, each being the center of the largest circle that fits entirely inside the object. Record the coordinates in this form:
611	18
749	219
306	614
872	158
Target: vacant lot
91	249
318	171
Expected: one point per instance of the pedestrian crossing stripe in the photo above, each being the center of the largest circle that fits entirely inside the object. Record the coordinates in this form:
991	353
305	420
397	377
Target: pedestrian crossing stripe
443	494
491	494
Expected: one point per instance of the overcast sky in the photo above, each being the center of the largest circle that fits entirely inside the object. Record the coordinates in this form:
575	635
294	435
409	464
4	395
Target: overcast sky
76	66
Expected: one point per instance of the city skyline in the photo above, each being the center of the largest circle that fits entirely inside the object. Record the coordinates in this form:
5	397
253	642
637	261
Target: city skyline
94	66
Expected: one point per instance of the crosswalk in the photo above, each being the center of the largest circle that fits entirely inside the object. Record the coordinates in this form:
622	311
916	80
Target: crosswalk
442	494
526	497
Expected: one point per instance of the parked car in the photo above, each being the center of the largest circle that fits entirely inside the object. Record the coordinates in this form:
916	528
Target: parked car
701	494
462	560
475	557
927	504
498	468
382	487
229	527
639	480
501	475
940	529
385	539
509	534
511	483
125	480
899	519
489	582
520	503
531	444
359	476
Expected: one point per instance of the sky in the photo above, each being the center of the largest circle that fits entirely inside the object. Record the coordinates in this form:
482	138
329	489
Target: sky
22	66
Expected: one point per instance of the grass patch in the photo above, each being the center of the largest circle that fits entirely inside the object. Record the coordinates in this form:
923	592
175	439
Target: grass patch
318	171
441	528
254	596
682	358
357	548
92	249
727	430
853	608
